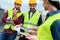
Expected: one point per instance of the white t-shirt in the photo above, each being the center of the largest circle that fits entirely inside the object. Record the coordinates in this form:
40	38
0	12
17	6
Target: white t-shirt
31	13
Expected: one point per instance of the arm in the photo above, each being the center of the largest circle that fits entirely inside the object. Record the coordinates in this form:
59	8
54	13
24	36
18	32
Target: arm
55	30
4	19
19	20
40	21
34	29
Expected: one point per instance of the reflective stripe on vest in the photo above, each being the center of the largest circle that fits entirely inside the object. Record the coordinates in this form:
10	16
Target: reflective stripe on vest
44	32
10	14
32	21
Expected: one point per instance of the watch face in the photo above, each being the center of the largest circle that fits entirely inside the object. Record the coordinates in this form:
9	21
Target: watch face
8	18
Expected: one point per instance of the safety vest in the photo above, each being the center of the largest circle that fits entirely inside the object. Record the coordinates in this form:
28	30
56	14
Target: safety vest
44	32
10	14
32	21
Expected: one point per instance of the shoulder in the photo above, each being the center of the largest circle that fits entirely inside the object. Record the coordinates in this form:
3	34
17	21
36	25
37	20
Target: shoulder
56	23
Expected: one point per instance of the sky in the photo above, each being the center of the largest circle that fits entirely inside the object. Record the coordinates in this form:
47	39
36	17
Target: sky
6	4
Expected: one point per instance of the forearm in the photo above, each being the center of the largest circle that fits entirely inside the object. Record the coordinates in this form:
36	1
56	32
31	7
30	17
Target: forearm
14	18
21	24
10	22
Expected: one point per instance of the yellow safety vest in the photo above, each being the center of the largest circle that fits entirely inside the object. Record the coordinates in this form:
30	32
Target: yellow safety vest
44	32
10	14
32	21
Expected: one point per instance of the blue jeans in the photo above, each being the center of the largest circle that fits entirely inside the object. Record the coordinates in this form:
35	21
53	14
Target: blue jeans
6	36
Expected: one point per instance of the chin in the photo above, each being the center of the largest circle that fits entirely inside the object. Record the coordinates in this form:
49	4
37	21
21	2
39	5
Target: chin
45	9
18	8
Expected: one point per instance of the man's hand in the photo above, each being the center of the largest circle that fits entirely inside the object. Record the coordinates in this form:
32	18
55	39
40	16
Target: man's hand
10	22
14	13
32	32
17	28
34	28
31	37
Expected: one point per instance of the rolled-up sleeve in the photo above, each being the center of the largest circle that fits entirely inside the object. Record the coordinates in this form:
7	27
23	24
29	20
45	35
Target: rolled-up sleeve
19	20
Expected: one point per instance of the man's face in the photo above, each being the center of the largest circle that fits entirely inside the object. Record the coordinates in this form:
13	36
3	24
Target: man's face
32	6
45	4
17	6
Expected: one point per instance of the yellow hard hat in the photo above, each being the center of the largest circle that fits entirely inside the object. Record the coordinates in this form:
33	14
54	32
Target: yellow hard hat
18	1
32	1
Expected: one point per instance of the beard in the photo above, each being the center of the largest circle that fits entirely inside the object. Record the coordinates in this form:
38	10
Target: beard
17	8
32	9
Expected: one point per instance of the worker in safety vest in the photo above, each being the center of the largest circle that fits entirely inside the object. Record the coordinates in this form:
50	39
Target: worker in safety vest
49	30
32	18
12	18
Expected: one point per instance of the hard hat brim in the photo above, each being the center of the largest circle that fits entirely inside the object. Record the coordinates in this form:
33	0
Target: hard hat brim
18	3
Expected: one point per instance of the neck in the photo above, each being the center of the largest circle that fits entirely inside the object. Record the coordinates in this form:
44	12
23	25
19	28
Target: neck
32	10
52	8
